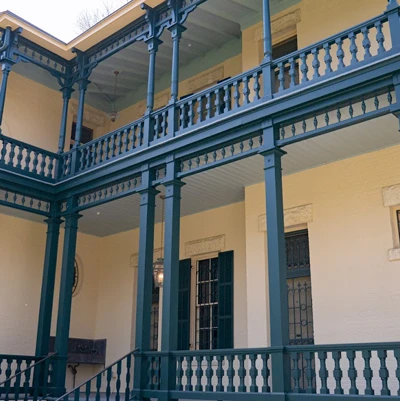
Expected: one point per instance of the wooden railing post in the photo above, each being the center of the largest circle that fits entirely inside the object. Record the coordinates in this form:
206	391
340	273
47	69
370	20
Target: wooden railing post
267	42
392	12
279	321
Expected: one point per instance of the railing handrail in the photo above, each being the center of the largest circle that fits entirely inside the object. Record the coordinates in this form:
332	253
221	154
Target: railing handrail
14	356
272	350
97	374
331	39
28	368
29	146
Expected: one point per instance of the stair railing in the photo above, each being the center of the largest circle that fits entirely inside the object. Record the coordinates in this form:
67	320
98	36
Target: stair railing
120	370
26	383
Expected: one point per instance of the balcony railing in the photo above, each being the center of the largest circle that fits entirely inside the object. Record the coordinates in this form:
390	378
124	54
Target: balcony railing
352	49
343	369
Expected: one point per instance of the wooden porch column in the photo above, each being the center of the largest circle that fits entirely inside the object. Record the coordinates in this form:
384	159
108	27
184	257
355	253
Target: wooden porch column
83	84
267	41
279	320
7	62
5	72
169	335
66	93
267	30
65	299
145	280
49	275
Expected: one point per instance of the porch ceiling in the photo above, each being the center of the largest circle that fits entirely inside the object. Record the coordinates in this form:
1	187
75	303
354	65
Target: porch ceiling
213	35
225	185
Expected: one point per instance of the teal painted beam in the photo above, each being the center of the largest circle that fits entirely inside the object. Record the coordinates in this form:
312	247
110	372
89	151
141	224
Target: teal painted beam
48	280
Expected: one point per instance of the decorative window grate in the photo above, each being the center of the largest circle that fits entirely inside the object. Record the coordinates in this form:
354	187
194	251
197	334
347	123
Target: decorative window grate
154	327
207	304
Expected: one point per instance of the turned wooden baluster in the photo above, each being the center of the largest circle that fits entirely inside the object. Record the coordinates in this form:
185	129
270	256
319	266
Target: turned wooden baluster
323	372
340	53
353	48
315	64
241	374
179	374
253	373
209	373
366	43
199	374
230	373
337	372
383	372
352	372
380	37
328	58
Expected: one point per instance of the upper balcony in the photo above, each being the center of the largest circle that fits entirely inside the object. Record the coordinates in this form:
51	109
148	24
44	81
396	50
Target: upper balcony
341	80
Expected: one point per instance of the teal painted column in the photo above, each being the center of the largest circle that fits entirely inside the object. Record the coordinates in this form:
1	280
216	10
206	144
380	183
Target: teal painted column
176	34
278	303
152	45
65	299
48	280
267	29
392	12
145	281
83	84
169	334
66	92
267	42
5	72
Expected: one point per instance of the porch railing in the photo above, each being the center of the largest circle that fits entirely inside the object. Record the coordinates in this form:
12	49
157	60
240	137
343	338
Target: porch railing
25	377
113	382
343	369
27	159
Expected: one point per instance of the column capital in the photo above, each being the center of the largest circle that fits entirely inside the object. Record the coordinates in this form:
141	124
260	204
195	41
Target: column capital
148	196
6	66
272	159
67	92
153	43
177	30
83	83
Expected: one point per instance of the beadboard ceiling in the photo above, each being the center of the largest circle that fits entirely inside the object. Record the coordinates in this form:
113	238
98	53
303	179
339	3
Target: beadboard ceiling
225	185
213	35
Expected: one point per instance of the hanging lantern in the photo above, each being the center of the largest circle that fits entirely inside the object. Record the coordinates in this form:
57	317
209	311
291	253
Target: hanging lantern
158	265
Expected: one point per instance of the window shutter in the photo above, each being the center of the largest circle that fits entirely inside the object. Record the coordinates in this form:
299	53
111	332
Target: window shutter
185	267
225	300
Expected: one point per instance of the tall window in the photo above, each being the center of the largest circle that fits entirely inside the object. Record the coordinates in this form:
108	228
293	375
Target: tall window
207	304
212	320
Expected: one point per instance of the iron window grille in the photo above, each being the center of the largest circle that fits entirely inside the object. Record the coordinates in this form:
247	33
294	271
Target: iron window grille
207	304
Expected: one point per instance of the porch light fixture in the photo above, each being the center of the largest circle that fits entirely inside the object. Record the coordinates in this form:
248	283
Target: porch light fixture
114	115
158	265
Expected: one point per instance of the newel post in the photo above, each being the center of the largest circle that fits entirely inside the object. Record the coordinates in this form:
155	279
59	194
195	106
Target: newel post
267	44
279	320
392	12
65	300
145	280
